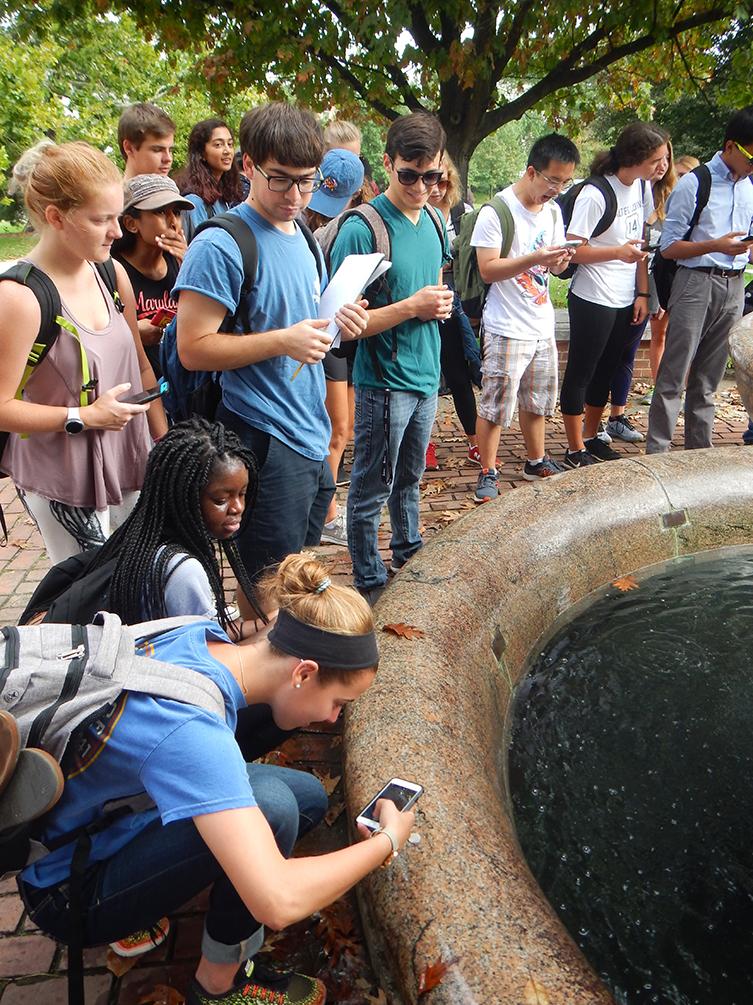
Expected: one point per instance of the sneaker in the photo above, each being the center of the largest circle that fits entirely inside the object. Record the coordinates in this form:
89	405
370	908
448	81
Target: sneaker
144	941
371	594
603	434
579	459
548	468
623	429
474	454
600	450
343	478
487	486
648	397
336	531
394	567
432	464
258	983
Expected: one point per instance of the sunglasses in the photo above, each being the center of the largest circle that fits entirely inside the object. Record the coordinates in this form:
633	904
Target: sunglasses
408	177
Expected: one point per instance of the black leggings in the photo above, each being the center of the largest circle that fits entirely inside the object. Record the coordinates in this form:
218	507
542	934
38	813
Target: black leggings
598	336
455	370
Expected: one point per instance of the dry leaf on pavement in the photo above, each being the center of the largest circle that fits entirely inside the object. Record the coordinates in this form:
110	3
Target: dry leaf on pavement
433	975
404	631
535	993
120	965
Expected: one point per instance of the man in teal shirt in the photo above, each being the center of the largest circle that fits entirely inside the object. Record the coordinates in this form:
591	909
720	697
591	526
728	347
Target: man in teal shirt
396	373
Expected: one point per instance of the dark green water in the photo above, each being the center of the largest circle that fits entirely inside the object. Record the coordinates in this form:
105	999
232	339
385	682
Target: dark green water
631	772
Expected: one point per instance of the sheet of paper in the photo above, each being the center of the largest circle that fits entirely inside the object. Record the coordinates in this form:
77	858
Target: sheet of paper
356	272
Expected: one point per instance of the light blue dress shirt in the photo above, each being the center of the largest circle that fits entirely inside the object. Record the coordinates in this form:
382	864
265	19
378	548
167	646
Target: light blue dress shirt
730	208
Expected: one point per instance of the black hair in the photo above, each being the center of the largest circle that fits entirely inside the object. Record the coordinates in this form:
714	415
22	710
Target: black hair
552	147
127	241
166	521
197	179
740	127
635	143
415	137
278	131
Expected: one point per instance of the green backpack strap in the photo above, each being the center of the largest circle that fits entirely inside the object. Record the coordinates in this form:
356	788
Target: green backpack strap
506	223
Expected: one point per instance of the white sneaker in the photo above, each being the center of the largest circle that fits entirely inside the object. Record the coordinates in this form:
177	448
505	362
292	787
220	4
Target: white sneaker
623	429
336	531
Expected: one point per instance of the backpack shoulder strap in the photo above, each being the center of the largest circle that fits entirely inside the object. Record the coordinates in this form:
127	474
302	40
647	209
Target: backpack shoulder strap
506	222
106	271
702	193
610	198
245	238
456	213
374	221
314	248
48	298
438	220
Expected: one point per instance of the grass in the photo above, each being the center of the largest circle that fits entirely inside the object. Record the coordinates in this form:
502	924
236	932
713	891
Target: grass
16	245
558	291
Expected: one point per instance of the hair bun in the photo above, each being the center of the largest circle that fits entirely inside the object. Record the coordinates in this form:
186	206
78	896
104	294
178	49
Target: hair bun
25	165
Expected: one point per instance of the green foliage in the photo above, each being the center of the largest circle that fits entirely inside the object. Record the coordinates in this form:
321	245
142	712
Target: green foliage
501	158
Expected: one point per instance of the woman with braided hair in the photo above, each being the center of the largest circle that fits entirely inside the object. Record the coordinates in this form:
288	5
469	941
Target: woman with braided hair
200	484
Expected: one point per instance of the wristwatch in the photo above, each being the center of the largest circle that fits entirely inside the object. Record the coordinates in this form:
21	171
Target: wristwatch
74	423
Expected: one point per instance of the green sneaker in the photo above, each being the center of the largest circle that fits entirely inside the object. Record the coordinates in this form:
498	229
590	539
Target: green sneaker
259	983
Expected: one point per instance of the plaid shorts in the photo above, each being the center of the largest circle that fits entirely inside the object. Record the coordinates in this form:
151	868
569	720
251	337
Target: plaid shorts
517	369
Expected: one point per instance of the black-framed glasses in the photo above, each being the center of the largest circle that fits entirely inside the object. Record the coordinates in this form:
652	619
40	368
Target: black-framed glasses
407	177
284	183
559	186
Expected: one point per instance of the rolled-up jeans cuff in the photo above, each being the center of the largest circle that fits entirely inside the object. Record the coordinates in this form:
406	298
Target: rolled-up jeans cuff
219	952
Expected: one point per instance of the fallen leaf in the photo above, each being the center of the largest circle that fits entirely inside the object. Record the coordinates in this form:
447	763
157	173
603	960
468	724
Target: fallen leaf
435	487
120	965
404	631
330	782
626	583
162	994
333	813
19	544
433	975
535	993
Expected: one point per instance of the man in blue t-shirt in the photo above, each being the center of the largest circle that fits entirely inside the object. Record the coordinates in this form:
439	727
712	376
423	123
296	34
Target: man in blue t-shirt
396	372
283	420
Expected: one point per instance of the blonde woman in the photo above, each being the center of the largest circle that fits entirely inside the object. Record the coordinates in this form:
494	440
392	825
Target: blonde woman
77	451
219	821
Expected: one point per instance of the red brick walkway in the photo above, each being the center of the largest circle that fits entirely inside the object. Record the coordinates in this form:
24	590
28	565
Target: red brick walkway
32	967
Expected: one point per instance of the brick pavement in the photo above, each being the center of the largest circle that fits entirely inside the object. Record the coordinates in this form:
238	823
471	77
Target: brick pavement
32	967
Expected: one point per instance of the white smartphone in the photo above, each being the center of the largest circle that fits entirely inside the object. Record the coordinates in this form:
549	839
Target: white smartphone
402	793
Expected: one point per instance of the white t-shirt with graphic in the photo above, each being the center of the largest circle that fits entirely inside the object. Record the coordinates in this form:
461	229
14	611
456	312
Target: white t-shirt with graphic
610	283
520	307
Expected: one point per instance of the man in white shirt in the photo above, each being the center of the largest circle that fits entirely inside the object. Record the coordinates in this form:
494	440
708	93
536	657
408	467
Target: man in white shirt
519	350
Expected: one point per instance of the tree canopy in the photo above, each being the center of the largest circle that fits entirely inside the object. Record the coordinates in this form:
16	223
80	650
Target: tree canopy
474	63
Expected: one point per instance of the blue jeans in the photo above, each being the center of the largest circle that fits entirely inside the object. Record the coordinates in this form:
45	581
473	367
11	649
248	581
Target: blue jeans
166	865
392	432
748	434
292	502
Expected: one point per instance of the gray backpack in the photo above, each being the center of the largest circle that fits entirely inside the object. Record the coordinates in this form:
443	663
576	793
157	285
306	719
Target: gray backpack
55	680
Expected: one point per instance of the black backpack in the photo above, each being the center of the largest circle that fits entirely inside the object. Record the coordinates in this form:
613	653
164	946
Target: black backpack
566	203
198	392
71	593
664	269
50	322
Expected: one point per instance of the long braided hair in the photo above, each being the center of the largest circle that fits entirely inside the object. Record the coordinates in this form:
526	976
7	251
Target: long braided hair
166	521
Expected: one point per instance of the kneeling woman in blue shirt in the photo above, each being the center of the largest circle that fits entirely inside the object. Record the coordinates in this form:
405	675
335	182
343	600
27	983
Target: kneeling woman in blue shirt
215	819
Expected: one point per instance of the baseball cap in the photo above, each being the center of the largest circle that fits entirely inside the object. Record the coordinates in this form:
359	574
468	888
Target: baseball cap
342	173
153	191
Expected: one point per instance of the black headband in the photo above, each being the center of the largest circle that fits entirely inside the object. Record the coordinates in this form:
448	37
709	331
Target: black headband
330	649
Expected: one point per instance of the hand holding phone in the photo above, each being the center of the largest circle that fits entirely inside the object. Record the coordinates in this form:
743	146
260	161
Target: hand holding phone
143	397
399	791
570	244
747	240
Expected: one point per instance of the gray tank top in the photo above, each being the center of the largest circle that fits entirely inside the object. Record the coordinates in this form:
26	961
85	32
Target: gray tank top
93	468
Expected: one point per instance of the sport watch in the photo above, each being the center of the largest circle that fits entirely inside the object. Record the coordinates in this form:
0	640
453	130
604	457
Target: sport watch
74	423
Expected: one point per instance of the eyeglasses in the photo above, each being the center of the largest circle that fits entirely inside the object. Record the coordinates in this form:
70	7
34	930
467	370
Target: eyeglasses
748	156
558	186
408	177
283	183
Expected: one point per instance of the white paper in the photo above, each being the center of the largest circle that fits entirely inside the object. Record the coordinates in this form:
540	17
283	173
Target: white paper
356	272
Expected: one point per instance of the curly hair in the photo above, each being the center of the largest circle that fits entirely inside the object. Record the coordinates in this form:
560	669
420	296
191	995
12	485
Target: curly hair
197	179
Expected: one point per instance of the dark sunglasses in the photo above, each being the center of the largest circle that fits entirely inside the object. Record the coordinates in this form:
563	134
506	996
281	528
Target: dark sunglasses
408	177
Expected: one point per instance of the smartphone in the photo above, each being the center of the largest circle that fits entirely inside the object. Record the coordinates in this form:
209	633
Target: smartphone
163	317
649	247
402	793
747	240
571	244
143	397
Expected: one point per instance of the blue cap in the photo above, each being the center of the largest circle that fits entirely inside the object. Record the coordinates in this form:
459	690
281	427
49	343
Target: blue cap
342	172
